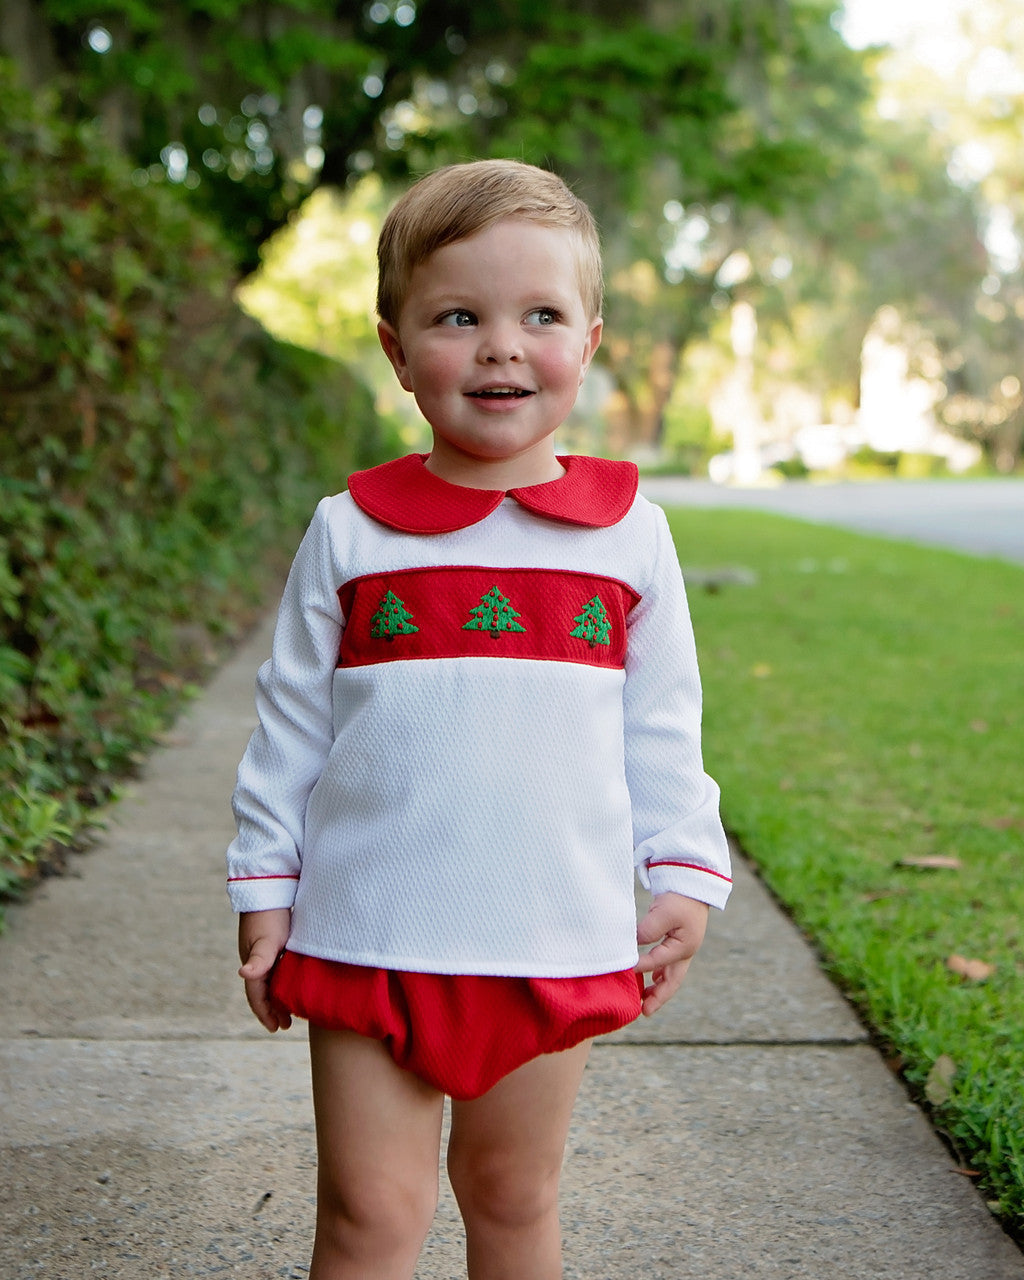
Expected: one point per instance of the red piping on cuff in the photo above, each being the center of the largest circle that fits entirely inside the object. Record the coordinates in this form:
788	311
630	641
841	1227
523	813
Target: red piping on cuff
249	879
688	866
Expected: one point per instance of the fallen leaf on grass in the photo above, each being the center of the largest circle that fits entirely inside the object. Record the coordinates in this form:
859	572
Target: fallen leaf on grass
972	970
933	861
939	1084
882	895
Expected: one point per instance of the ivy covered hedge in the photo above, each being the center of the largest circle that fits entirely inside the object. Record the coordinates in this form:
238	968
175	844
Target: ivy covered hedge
156	448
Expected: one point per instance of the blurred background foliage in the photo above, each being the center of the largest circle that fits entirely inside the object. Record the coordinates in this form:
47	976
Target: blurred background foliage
159	162
158	450
733	150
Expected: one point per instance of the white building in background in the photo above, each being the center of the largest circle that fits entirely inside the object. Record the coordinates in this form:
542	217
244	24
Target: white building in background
897	409
896	414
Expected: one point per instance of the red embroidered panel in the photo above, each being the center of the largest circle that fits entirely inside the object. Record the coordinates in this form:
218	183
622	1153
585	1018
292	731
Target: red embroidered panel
467	611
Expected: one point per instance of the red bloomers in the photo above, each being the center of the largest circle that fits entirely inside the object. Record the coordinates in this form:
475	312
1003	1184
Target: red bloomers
461	1033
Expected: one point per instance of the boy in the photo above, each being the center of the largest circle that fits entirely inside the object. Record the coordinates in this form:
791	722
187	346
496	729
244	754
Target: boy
482	712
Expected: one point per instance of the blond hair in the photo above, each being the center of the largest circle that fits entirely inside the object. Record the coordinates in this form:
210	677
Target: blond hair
460	200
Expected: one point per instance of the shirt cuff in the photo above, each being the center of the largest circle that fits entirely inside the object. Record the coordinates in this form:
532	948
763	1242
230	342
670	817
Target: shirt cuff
263	893
687	878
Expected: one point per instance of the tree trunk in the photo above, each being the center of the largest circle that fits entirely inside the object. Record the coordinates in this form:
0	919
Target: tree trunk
636	412
25	38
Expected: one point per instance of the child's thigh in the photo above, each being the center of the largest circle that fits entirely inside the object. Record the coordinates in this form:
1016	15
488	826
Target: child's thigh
517	1130
377	1125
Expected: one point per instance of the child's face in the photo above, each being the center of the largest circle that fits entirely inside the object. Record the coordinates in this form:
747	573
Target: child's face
493	340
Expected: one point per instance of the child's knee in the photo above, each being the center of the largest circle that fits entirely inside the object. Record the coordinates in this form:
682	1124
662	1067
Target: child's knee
386	1213
505	1192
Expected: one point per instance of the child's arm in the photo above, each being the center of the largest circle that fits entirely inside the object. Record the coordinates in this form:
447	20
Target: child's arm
676	924
294	734
680	846
682	854
282	764
261	939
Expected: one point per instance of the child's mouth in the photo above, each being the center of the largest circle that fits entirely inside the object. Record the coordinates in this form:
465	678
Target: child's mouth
500	393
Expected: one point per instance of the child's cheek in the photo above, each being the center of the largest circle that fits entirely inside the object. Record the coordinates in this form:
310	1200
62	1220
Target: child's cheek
444	368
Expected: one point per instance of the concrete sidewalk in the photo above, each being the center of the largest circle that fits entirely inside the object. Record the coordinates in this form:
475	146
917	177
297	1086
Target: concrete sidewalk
151	1128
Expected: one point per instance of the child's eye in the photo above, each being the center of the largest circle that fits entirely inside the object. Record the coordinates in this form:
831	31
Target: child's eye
458	319
543	316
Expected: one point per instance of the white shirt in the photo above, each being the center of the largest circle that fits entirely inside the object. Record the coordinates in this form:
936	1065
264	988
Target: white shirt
482	712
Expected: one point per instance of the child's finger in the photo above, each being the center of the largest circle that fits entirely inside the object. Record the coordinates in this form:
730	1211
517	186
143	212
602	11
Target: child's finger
669	951
255	967
666	983
270	1014
657	958
655	924
261	959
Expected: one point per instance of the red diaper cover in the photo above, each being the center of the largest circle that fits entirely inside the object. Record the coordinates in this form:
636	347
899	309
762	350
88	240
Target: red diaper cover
461	1033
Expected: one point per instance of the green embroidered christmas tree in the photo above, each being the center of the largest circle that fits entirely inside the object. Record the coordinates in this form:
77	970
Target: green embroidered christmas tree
495	614
594	625
391	619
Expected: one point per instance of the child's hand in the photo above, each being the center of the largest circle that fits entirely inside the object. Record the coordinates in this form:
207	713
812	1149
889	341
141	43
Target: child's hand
261	939
677	925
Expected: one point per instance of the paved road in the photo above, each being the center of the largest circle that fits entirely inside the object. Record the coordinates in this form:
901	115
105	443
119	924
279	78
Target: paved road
983	517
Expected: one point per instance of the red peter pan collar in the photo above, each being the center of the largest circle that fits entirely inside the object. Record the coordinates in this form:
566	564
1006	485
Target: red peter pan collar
594	493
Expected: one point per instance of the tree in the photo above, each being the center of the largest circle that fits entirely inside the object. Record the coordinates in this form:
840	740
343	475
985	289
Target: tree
691	127
893	230
967	92
495	614
252	103
391	619
593	624
248	103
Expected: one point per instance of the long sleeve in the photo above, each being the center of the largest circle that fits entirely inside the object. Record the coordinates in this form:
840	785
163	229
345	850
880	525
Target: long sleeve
287	752
680	845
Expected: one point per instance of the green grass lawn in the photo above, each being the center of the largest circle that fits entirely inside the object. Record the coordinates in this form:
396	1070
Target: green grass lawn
864	713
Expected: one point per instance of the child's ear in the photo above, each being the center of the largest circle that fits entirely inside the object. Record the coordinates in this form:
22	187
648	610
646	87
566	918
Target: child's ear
592	344
395	352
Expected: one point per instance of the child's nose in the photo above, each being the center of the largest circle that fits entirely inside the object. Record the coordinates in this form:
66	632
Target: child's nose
500	343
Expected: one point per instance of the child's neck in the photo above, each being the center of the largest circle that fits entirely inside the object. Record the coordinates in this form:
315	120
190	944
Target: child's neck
495	473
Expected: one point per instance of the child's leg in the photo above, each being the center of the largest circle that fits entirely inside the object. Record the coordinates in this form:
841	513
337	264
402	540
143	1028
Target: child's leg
504	1161
378	1135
